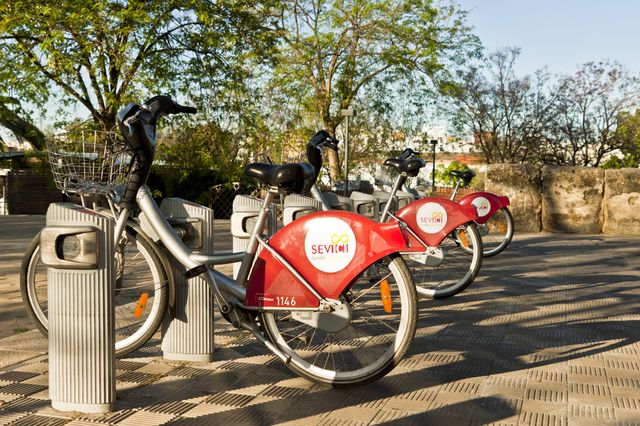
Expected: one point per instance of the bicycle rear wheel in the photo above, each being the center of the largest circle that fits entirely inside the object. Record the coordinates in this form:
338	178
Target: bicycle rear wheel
382	322
497	232
451	267
141	294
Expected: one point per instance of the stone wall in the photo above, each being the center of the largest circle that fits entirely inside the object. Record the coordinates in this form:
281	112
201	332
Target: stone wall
569	199
521	183
621	202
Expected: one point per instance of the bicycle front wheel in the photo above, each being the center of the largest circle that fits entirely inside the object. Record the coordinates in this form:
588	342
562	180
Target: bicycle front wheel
357	348
497	232
141	293
446	270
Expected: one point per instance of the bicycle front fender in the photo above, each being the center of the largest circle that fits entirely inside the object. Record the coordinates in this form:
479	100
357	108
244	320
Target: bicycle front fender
485	203
432	219
328	249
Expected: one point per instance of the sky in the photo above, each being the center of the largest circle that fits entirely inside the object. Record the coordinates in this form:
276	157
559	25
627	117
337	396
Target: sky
560	34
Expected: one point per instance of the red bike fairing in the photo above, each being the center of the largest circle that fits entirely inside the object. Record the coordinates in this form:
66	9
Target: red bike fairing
485	203
432	219
329	249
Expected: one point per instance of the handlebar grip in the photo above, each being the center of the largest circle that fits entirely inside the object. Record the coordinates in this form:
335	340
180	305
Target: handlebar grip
407	153
181	109
164	105
323	137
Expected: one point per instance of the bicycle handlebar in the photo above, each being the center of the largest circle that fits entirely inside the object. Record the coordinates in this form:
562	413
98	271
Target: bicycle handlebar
408	153
160	106
323	138
138	127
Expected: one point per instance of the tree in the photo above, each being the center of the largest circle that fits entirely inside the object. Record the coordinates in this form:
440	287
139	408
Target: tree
506	115
13	118
103	53
590	105
335	49
443	176
628	132
628	136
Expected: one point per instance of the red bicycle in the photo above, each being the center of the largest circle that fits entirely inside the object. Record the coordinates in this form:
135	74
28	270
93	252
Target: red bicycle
495	221
441	233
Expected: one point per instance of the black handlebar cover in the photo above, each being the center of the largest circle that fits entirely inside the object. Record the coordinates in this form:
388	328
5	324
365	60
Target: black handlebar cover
408	153
322	137
138	127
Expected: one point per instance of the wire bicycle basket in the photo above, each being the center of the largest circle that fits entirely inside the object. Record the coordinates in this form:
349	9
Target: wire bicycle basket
89	162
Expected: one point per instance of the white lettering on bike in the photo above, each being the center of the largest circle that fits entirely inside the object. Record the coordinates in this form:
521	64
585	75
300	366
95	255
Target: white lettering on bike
330	244
431	218
482	205
285	301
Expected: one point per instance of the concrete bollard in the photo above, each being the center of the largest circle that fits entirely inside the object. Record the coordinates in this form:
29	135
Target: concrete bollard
297	206
244	216
188	330
364	204
338	202
78	248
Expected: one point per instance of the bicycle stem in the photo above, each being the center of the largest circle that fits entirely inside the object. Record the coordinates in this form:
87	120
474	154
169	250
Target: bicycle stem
402	178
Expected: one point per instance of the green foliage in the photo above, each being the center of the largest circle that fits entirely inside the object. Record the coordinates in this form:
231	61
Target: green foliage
627	135
442	172
335	50
196	158
629	160
479	181
105	53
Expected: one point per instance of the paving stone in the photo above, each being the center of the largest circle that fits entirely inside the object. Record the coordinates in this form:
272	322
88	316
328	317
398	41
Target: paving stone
532	418
591	412
146	418
557	344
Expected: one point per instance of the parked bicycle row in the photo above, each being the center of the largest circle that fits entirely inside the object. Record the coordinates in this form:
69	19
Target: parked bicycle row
333	294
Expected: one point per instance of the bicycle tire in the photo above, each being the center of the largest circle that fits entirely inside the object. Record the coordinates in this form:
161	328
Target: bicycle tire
499	229
142	264
372	342
460	255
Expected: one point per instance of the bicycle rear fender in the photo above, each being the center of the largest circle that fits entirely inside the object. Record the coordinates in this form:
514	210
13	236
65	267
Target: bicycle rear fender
485	203
432	219
328	249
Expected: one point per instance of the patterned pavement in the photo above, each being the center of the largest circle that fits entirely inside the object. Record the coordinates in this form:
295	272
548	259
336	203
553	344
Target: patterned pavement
547	335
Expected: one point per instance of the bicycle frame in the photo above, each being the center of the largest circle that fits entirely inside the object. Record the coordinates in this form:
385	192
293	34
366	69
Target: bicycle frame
277	279
427	221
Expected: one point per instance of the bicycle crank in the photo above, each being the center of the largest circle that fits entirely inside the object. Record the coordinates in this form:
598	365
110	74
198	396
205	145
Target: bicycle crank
433	257
483	229
332	322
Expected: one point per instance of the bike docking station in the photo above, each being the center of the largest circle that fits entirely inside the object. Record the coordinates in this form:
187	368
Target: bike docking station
338	202
77	246
403	199
297	206
188	328
381	200
245	210
364	204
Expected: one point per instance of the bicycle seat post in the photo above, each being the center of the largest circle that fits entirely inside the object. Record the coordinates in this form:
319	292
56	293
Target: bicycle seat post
258	229
402	178
455	190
